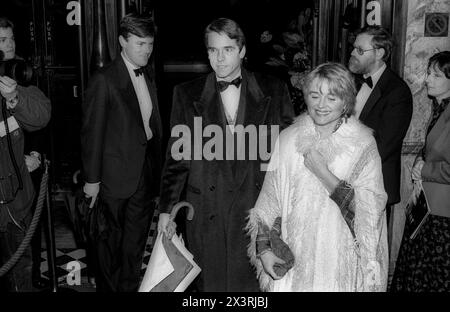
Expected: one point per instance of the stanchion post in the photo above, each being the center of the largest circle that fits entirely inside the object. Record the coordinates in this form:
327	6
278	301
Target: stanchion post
50	240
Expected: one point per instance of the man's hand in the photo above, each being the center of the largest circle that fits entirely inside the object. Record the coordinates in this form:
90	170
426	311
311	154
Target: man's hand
8	91
91	191
32	161
165	225
268	260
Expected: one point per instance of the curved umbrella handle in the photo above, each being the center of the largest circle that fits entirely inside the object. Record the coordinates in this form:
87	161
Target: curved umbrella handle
190	214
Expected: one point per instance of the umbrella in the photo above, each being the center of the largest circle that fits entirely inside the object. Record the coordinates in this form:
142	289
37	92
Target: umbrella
171	267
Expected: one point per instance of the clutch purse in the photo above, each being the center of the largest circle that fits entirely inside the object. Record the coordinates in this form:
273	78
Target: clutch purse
280	249
271	239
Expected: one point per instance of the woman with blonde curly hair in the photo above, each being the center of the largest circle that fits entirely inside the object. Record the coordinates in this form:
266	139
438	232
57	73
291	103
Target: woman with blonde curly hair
319	223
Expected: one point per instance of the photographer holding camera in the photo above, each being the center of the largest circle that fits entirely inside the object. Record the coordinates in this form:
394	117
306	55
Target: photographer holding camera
22	109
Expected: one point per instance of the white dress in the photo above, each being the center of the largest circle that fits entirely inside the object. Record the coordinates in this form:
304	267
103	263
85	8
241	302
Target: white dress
327	256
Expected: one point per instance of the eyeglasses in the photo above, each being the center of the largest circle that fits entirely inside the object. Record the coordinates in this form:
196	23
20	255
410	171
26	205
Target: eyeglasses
362	51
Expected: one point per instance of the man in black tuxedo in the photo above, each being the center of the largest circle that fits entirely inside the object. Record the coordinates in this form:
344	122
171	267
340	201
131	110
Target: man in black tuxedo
221	188
120	150
384	103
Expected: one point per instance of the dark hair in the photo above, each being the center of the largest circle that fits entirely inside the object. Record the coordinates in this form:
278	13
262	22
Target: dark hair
340	82
441	60
138	25
227	26
381	39
6	23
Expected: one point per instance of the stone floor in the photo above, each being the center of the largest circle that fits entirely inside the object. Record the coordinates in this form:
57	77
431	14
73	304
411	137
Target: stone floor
71	265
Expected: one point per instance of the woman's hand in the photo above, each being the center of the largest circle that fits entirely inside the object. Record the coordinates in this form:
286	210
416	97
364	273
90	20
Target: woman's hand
268	260
416	172
316	163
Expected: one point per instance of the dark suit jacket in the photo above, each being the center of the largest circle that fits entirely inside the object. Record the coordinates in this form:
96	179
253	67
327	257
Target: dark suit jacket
221	191
113	140
436	170
388	112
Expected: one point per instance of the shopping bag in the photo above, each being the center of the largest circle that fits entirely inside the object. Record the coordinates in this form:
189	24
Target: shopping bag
171	267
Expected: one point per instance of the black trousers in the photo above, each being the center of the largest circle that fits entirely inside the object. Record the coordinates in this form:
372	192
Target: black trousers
120	251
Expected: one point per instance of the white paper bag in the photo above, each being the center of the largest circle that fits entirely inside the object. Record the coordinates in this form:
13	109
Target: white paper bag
160	272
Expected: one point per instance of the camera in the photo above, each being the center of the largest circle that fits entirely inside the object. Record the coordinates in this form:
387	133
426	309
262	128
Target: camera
16	69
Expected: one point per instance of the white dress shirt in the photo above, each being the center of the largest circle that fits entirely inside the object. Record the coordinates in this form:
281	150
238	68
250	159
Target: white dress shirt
143	95
365	91
230	99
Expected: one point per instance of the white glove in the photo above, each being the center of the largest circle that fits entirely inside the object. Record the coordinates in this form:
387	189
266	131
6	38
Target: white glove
91	191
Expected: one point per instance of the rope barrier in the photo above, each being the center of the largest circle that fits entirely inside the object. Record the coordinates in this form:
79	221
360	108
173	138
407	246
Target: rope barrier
34	222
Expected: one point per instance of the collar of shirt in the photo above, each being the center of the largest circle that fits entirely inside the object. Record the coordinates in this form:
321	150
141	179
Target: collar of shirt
365	91
230	100
237	75
130	67
376	76
142	94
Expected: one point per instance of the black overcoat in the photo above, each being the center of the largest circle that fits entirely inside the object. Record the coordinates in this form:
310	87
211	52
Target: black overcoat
221	191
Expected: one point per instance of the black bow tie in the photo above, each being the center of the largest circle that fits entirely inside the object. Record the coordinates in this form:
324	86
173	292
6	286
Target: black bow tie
368	81
139	71
223	85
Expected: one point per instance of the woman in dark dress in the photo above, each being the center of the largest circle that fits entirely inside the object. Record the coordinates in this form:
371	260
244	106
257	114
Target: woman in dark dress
424	262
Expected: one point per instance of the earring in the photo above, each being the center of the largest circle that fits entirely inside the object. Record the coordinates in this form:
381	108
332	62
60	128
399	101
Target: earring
344	114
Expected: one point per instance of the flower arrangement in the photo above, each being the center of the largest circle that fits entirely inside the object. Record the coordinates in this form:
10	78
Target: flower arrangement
289	56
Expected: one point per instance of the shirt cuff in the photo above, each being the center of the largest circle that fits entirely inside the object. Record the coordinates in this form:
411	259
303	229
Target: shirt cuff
262	239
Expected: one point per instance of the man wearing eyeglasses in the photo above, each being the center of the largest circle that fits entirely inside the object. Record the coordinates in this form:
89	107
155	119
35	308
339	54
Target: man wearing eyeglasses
383	103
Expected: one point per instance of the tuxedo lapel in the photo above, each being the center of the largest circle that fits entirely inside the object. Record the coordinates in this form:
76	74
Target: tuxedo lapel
127	89
155	109
257	103
256	108
375	95
208	108
371	101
